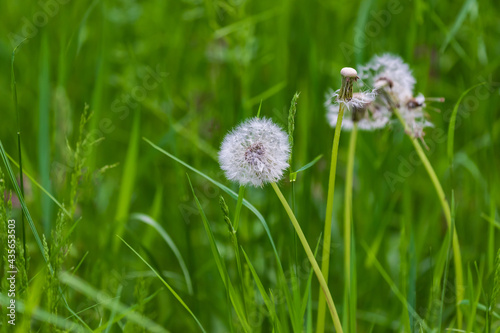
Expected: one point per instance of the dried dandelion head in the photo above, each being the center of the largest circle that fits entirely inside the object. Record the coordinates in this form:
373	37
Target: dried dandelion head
255	153
393	83
349	76
389	70
415	116
360	109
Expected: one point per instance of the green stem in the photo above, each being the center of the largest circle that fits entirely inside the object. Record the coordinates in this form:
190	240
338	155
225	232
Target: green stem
234	240
312	260
457	257
21	175
239	204
327	233
295	254
348	316
236	248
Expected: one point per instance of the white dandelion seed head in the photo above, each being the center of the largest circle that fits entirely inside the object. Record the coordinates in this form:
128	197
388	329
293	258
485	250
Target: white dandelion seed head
256	152
392	69
368	116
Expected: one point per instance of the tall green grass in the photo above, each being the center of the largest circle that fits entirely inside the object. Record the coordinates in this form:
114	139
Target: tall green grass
83	185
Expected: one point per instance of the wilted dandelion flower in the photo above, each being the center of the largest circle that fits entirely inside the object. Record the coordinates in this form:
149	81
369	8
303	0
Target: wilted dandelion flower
360	109
415	116
256	152
394	84
391	69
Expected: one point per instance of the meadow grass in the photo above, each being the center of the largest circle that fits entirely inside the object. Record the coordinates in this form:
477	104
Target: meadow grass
112	119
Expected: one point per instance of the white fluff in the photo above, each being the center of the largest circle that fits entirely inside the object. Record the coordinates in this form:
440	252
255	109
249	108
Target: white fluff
255	153
399	82
415	117
373	118
389	67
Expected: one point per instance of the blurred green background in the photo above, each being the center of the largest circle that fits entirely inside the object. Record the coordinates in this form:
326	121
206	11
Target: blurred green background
182	74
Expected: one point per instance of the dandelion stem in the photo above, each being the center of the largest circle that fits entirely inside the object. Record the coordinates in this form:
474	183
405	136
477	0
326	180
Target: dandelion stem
296	257
327	233
312	260
348	303
459	282
239	204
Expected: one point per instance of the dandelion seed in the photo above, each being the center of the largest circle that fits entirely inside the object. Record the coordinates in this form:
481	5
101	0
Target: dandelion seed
255	153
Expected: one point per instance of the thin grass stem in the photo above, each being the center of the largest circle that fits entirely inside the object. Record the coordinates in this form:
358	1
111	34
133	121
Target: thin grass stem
457	257
21	176
295	252
312	260
239	204
348	316
327	233
236	248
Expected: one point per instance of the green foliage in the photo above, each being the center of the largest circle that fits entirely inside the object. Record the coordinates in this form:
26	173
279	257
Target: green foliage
94	77
141	293
79	156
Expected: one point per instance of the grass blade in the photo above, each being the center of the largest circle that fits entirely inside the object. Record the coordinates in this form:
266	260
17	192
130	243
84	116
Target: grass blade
228	191
128	177
242	24
307	291
453	119
265	95
113	312
16	110
22	202
394	288
165	283
44	132
457	24
267	300
32	225
37	184
166	237
43	316
448	254
121	316
239	203
293	175
235	299
247	204
109	302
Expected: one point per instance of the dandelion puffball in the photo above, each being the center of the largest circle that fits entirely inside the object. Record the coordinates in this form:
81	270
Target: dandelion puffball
255	153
